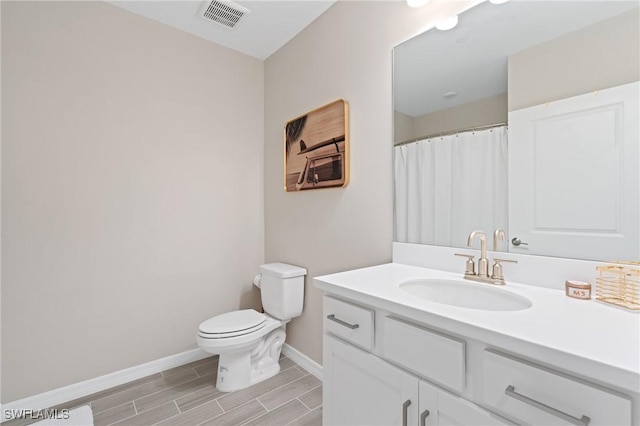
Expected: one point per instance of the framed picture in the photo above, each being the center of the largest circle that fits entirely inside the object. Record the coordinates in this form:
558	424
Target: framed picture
316	148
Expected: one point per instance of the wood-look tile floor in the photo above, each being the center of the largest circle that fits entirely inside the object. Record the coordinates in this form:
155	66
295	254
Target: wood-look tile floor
187	395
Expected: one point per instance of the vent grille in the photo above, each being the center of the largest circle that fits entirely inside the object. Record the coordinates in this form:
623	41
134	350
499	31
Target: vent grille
225	13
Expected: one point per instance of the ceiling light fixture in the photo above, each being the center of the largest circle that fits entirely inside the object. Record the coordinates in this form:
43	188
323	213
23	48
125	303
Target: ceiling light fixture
417	3
447	24
498	1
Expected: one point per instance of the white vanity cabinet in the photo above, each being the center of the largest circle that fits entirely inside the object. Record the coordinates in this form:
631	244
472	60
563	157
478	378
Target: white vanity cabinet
384	369
361	389
358	387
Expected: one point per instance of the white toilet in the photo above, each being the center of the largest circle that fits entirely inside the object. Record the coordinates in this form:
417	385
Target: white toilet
248	341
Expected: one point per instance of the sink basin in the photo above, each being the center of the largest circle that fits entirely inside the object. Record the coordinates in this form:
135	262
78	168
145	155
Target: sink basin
466	294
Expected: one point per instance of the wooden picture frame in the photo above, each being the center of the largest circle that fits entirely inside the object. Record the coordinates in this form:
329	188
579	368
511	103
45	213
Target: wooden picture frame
316	148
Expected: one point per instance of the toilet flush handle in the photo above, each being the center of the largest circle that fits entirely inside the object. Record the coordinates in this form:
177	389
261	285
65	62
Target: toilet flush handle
257	279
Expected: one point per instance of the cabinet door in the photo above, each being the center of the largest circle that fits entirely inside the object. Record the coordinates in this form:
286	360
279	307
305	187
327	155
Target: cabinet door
447	409
361	389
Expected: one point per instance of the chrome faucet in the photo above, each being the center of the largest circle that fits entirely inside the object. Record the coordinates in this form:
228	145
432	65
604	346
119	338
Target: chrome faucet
483	263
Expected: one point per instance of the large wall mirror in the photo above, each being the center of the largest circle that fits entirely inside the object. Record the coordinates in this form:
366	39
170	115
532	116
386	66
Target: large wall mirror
522	118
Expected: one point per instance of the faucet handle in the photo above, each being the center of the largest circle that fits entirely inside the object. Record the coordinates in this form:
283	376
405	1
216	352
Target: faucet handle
497	269
505	260
470	267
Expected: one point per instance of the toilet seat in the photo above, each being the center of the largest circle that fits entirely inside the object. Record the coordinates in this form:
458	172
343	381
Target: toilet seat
232	324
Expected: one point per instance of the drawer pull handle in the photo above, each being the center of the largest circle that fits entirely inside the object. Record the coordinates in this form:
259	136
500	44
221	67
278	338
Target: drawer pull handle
511	391
405	406
423	417
333	318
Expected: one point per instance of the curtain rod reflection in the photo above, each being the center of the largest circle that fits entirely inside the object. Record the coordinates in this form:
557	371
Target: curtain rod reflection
451	132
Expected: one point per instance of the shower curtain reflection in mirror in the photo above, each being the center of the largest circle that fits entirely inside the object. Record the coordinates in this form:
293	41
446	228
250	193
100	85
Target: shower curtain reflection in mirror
449	186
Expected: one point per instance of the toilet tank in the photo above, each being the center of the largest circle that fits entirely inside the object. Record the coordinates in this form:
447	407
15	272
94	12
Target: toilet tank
282	290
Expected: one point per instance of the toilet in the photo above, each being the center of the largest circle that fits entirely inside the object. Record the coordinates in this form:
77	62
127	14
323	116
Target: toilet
249	342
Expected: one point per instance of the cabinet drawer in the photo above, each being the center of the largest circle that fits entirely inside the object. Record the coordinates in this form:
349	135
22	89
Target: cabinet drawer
348	321
536	395
432	355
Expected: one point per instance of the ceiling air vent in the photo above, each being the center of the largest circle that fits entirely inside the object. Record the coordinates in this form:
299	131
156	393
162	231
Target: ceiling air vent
225	13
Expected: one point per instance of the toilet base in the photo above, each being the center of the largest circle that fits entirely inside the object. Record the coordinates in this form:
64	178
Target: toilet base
238	370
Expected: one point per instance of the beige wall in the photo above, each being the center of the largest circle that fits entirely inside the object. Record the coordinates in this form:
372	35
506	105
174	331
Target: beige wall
482	112
132	193
402	127
603	55
345	53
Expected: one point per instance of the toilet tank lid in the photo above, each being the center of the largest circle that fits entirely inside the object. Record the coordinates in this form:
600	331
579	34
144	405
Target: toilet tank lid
282	270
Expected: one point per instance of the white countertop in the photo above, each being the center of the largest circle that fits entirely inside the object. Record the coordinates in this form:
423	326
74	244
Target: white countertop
596	340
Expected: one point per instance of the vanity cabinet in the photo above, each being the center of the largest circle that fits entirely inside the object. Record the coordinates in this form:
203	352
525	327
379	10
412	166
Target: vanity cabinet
382	369
361	389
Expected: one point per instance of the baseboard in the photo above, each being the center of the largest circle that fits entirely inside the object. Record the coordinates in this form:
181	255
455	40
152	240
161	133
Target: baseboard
302	360
88	387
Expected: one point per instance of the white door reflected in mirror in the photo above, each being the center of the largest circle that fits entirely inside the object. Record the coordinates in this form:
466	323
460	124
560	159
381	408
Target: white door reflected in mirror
575	190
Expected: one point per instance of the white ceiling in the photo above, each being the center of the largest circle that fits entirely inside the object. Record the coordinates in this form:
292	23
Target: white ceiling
471	59
269	26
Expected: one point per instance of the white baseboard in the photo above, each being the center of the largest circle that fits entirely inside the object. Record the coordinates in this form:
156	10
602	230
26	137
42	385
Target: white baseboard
302	360
88	387
82	389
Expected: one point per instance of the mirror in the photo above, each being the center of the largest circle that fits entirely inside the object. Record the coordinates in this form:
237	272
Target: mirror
523	118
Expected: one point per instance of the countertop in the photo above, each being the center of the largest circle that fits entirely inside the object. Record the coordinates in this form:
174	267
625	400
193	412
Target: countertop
585	337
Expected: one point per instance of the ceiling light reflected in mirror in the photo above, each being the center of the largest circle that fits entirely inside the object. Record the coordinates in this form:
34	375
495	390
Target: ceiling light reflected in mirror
448	23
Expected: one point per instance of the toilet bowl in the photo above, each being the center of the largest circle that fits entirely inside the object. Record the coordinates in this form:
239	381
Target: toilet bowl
249	342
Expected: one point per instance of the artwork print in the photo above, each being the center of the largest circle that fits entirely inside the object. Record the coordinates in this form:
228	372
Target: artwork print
316	149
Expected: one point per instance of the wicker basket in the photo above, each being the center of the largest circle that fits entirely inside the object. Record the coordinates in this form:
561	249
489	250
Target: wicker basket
619	284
